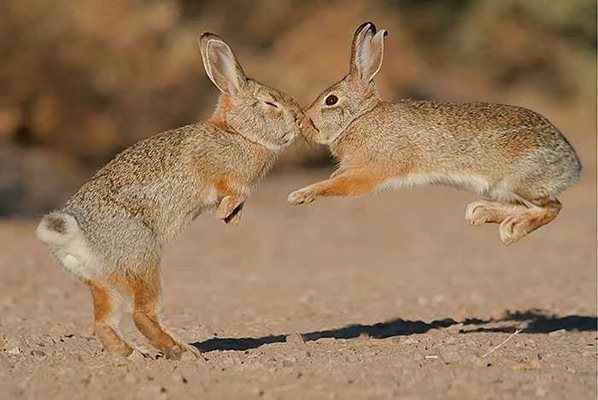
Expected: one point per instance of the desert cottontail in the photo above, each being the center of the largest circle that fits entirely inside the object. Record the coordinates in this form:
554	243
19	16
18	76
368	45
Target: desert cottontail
110	234
512	157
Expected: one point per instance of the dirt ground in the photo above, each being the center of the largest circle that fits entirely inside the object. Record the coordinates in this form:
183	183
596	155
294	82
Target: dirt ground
394	297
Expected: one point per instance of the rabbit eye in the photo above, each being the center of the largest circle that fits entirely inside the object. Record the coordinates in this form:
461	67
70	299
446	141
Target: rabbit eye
271	104
331	100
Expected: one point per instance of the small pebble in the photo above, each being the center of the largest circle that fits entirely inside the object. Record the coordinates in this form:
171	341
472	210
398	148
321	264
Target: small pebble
136	356
560	332
295	338
192	355
37	353
11	343
410	340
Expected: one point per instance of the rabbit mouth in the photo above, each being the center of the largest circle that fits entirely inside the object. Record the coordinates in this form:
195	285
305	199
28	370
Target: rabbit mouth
311	122
308	129
288	138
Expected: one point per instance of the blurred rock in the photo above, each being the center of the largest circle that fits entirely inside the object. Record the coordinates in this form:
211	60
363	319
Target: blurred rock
559	332
295	339
35	179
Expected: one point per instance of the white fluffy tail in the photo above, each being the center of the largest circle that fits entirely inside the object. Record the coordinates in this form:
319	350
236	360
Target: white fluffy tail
57	229
61	232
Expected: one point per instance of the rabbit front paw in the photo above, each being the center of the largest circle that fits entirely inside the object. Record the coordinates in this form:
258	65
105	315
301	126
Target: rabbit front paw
234	218
302	196
229	209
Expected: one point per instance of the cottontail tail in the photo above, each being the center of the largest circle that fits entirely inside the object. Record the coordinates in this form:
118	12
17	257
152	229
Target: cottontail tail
111	232
514	158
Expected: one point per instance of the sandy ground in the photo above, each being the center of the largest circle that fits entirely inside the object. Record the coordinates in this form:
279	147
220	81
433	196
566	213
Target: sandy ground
394	296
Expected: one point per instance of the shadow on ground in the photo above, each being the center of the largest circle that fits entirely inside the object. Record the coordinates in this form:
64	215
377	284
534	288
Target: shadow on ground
531	321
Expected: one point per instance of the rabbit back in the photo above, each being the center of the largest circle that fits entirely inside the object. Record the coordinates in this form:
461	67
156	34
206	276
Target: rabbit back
152	182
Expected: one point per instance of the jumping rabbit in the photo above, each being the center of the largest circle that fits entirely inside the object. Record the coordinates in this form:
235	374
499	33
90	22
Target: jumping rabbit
110	234
512	157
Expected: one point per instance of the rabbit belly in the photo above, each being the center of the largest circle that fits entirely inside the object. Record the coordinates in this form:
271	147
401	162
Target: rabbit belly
499	191
469	183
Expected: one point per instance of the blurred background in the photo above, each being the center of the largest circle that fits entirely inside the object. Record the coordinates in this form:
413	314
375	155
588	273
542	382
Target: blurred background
81	80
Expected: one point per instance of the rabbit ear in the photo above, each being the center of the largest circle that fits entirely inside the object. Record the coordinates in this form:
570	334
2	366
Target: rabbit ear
221	65
367	52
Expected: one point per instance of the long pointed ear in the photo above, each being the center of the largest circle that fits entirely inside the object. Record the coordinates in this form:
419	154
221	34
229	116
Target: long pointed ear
221	65
367	52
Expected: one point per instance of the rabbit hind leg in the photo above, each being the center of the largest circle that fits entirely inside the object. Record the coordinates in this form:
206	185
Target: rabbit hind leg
104	303
145	289
536	214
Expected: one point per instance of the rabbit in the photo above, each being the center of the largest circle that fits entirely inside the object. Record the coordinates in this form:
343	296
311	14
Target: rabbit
512	157
111	232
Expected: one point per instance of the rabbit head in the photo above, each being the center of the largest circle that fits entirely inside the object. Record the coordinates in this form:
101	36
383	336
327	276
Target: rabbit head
336	107
261	114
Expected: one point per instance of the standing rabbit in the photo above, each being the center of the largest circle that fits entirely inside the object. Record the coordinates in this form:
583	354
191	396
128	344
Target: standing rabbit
512	157
110	234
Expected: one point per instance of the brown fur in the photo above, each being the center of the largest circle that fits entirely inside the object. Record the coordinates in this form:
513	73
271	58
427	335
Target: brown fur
56	224
223	185
218	118
521	224
144	288
146	296
104	309
344	183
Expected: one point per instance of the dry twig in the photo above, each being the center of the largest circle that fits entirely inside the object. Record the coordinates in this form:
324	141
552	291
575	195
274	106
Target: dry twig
502	343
